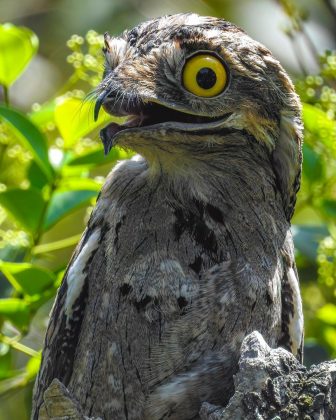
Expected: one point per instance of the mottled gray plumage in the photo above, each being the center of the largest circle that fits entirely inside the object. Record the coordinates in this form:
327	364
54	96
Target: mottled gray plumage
189	246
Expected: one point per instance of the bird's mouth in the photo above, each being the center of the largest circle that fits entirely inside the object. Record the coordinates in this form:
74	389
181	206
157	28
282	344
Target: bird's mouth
152	116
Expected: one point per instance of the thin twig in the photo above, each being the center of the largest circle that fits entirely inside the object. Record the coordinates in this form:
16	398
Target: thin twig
54	246
331	8
19	346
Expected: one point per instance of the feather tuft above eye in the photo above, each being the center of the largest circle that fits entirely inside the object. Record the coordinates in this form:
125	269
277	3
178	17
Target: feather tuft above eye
114	50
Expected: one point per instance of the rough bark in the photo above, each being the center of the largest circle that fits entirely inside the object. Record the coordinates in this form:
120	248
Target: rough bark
270	384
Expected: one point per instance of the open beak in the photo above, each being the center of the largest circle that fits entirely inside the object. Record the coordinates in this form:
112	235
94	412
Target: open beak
99	103
148	116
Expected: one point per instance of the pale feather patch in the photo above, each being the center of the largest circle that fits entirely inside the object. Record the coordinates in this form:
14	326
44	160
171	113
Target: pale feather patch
106	301
213	33
136	162
171	267
173	390
137	158
112	351
260	128
174	276
114	348
116	51
76	276
115	383
114	403
190	19
119	165
193	19
295	326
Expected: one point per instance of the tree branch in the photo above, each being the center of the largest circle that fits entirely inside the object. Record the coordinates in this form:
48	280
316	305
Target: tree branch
270	384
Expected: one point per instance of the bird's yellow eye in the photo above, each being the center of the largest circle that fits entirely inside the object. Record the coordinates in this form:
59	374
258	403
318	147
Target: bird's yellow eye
204	75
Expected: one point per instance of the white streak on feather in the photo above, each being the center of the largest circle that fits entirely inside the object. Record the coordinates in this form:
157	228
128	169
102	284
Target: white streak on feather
194	20
295	326
76	274
171	267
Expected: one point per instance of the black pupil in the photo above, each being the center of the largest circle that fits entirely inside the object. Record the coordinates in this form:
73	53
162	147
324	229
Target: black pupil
206	78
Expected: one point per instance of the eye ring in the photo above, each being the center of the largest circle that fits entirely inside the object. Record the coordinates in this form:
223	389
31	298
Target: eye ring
204	74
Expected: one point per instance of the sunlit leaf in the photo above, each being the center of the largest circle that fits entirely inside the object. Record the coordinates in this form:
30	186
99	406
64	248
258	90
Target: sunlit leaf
96	157
327	314
44	114
26	206
63	203
74	119
33	366
30	136
27	278
319	124
330	337
17	47
74	183
16	311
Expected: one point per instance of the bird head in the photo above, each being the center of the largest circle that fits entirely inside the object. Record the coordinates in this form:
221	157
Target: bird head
184	80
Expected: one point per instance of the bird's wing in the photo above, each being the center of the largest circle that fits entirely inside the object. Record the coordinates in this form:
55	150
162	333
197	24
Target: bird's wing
291	309
66	317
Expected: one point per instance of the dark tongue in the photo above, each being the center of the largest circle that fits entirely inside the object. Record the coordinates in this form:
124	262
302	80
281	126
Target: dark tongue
107	134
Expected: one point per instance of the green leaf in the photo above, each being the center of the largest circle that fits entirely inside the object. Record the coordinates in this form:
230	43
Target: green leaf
16	311
329	334
318	123
312	164
28	278
44	114
74	119
30	136
26	206
36	176
329	207
74	183
96	157
327	314
6	365
17	47
63	203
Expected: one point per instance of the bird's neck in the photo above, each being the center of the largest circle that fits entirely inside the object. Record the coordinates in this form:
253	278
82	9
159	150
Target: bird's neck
236	161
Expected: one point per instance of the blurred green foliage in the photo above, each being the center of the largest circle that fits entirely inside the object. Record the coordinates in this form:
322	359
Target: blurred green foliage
51	166
47	164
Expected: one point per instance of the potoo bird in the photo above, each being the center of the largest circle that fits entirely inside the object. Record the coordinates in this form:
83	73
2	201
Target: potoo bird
189	247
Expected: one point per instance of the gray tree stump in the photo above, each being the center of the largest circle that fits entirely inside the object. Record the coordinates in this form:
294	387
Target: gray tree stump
270	384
